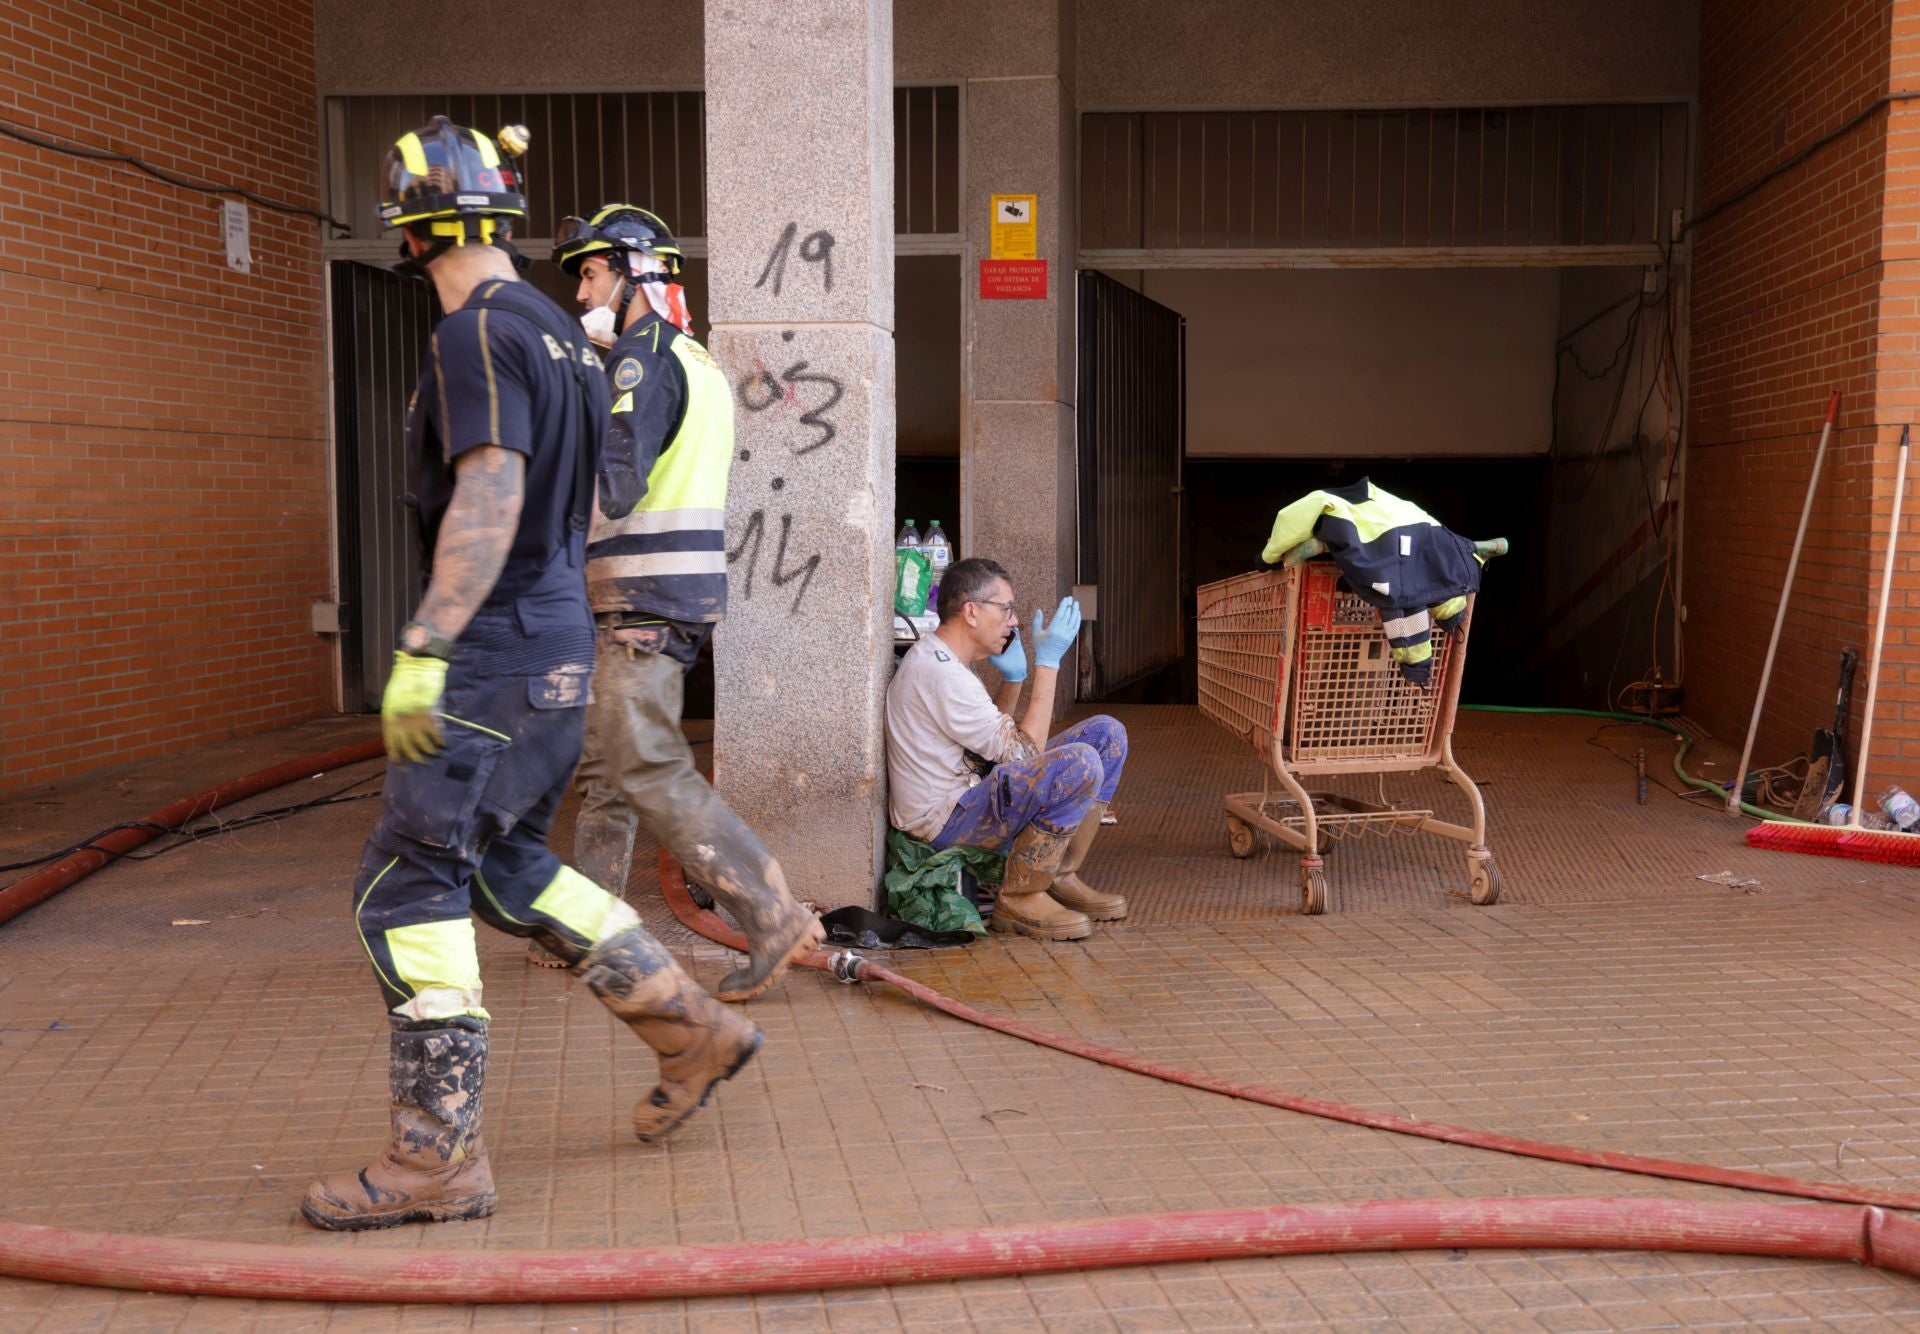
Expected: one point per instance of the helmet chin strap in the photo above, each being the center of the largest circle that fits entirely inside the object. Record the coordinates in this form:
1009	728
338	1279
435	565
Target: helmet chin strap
413	265
629	284
520	262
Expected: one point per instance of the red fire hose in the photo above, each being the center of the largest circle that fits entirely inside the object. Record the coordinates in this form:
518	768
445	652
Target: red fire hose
320	1272
22	894
1864	1234
850	967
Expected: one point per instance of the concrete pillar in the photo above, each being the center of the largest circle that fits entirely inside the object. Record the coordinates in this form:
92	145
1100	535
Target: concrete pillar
1017	470
800	228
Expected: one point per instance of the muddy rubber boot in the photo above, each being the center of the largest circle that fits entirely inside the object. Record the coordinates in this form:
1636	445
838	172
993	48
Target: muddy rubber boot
699	1041
541	957
1070	889
435	1170
1024	904
778	930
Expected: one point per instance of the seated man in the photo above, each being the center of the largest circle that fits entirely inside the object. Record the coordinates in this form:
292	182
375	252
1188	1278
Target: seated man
963	772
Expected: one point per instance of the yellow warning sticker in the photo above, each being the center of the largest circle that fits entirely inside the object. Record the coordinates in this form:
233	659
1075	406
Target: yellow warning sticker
1015	229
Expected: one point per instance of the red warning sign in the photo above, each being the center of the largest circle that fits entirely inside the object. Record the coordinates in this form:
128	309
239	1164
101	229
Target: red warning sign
1013	280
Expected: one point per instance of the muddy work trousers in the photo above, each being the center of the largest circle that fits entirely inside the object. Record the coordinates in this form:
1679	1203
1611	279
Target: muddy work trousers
638	769
1054	789
465	833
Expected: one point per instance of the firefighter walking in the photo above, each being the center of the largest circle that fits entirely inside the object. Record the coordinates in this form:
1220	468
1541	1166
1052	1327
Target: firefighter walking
657	581
484	713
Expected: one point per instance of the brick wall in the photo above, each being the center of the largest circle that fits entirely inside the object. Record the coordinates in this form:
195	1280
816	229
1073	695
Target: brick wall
1786	305
1897	727
163	487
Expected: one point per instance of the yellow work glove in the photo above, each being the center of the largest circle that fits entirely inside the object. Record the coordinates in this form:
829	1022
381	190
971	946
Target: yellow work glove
407	718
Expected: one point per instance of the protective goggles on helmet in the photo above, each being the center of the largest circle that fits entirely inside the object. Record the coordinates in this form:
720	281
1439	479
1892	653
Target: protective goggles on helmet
575	237
615	227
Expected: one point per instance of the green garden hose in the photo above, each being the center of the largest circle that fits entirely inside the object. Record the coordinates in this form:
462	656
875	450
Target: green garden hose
1686	741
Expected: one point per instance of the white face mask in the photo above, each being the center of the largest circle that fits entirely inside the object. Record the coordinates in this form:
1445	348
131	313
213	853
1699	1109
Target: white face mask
599	322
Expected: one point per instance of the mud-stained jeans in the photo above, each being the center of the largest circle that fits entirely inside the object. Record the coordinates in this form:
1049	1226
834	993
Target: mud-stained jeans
1054	789
637	767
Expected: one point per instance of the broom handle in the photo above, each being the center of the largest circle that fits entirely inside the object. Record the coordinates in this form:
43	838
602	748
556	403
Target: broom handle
1780	616
1879	637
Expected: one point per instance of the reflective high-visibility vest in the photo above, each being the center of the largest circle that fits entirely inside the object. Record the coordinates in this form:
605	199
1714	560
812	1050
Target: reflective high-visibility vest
667	556
1394	555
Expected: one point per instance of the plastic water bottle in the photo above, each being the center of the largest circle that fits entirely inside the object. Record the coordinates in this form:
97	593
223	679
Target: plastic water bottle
1901	808
909	538
1840	813
939	553
939	549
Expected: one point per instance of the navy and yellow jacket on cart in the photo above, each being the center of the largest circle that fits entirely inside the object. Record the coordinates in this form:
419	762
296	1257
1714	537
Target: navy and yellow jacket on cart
1394	555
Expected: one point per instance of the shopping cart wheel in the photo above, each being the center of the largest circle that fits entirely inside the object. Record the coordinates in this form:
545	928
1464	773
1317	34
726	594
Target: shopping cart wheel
1485	880
1313	890
1239	836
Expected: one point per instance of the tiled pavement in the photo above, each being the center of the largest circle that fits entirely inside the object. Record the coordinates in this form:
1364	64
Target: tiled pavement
187	1080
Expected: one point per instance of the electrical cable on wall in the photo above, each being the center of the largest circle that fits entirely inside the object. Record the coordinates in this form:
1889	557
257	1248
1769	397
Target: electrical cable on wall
1626	355
1668	367
38	140
1780	169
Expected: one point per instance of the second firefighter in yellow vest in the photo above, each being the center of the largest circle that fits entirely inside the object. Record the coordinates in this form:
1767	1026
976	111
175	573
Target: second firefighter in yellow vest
657	583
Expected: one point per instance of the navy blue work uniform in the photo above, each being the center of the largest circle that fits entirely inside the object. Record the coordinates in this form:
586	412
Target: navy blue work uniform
508	369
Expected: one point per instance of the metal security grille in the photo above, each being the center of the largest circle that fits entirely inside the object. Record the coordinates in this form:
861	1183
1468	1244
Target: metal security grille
380	328
1456	178
1132	439
587	148
645	148
926	160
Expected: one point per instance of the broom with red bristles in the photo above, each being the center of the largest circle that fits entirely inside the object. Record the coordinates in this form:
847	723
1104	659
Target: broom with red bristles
1887	846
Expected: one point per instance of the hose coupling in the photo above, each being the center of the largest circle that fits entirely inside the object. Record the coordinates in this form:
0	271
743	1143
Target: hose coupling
847	966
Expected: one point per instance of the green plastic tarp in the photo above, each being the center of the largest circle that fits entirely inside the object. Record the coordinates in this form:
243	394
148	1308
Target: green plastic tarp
923	886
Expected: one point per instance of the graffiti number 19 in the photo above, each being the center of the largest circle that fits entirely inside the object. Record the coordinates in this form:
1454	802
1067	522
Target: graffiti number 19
817	248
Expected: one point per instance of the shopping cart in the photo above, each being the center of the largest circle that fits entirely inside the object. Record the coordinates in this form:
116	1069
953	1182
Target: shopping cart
1300	669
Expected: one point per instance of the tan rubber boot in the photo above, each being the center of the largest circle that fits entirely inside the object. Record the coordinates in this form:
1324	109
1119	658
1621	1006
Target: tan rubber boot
1070	889
699	1041
1024	904
778	930
435	1170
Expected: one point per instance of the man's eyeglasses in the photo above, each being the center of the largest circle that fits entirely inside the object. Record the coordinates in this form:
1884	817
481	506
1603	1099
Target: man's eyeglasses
1006	608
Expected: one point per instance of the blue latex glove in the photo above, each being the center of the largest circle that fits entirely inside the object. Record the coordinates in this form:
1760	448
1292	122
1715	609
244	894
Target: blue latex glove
1053	639
1011	661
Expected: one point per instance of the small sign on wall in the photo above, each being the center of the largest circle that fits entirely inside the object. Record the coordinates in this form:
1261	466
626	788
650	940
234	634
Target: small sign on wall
1013	280
1016	230
239	233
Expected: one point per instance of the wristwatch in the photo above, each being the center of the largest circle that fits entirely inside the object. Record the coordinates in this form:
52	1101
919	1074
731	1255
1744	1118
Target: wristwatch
418	639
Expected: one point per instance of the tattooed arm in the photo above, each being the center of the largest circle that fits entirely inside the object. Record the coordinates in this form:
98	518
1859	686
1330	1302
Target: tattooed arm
475	536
